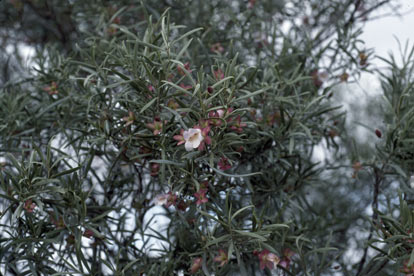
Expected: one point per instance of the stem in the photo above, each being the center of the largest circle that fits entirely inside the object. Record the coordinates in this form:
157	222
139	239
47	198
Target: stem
379	178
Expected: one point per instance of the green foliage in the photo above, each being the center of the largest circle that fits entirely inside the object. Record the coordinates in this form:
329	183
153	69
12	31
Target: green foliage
212	110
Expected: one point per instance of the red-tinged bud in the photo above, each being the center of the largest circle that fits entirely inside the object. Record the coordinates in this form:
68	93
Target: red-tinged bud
219	74
378	133
216	47
88	233
197	263
251	3
117	20
344	77
210	89
155	167
332	133
29	206
71	240
182	205
363	59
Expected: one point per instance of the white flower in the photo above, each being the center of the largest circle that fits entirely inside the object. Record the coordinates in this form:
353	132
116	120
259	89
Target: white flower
221	112
161	199
412	181
193	138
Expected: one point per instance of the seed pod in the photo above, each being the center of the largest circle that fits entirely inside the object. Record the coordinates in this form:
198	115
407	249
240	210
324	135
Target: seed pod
378	133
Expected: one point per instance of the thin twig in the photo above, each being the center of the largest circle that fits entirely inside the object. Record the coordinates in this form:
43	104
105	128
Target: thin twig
379	178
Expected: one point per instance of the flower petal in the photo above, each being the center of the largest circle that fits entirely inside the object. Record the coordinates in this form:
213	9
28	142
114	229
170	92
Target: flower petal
186	134
196	143
188	146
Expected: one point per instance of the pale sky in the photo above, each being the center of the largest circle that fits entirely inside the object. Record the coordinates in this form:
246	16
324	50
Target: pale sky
382	34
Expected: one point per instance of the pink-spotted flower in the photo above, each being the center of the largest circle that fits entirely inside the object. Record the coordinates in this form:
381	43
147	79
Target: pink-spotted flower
224	164
179	138
201	196
29	206
129	119
215	117
268	259
193	138
204	126
222	258
238	125
156	126
287	257
216	47
52	89
218	74
166	199
186	67
251	4
197	263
